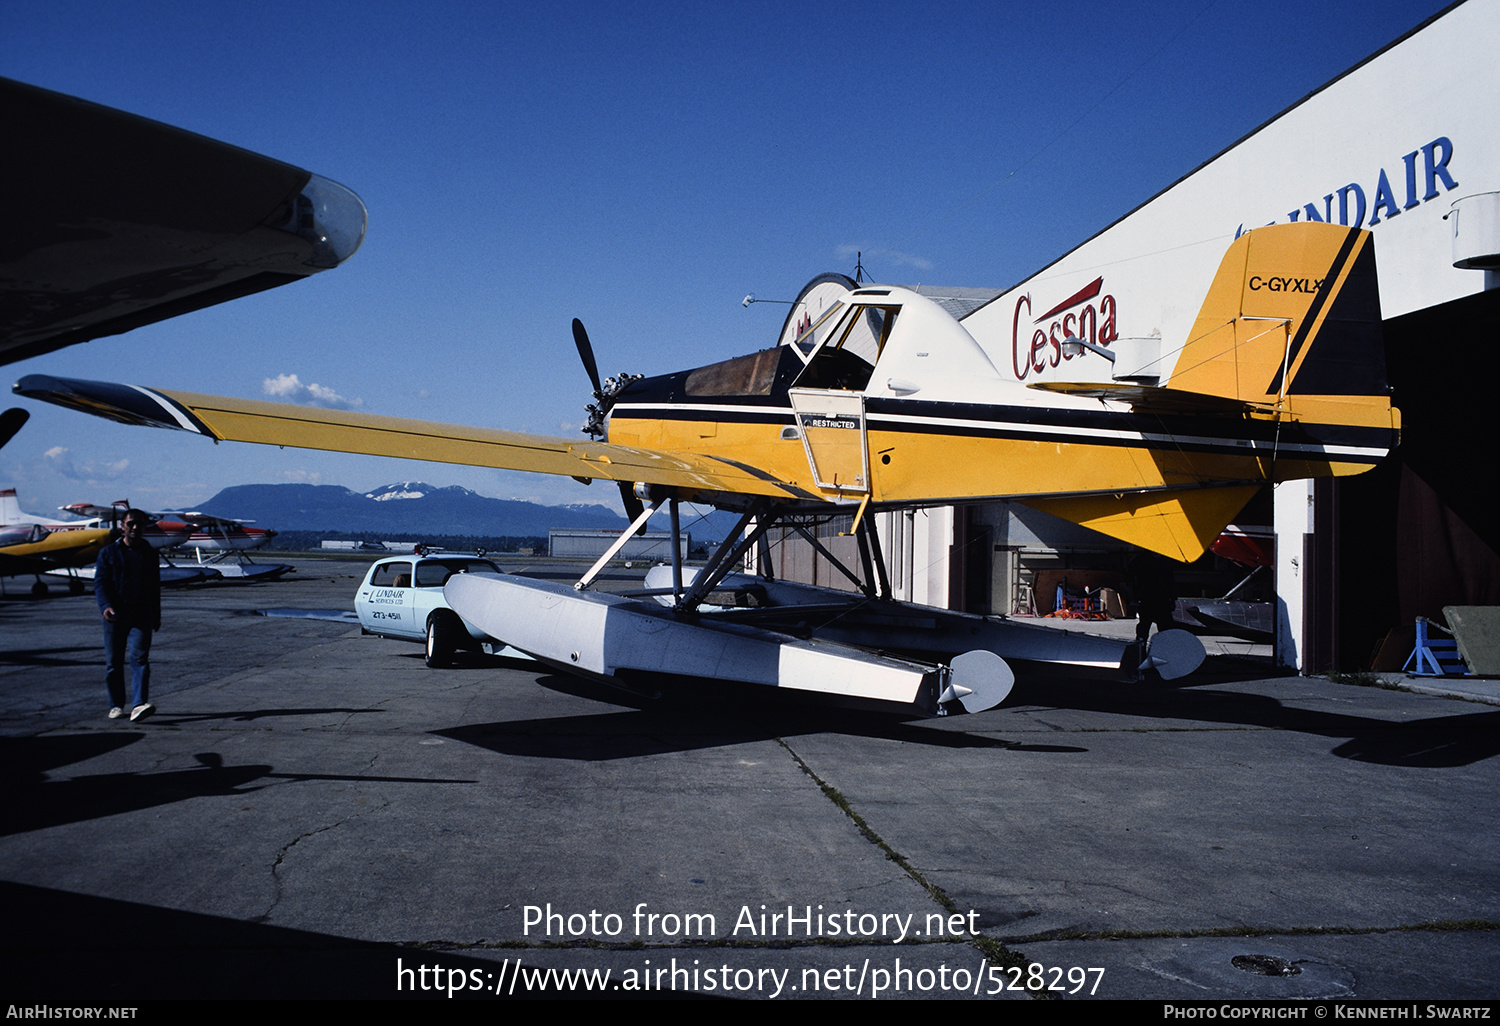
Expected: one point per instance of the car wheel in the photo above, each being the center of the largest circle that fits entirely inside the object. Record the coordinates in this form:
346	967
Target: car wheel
442	643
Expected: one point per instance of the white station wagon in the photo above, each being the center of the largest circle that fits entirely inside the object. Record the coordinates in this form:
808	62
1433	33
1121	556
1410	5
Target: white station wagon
403	598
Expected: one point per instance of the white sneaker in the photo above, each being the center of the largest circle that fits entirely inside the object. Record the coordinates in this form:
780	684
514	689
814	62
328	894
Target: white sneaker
115	712
141	711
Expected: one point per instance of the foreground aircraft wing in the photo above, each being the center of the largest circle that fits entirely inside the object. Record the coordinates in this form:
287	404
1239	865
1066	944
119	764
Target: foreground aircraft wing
249	420
114	221
11	421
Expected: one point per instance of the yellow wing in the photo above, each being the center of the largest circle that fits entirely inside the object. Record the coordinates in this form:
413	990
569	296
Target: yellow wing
248	420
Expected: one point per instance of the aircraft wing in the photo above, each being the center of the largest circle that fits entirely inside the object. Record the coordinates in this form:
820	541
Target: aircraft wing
11	421
90	511
250	420
197	519
114	221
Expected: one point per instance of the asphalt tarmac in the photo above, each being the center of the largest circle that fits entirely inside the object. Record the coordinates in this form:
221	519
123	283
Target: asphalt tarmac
314	813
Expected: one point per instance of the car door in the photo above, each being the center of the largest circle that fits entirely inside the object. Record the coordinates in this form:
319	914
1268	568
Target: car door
385	601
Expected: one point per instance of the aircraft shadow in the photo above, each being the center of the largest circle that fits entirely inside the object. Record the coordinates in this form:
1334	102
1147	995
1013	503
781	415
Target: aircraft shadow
715	716
35	803
1436	742
89	656
85	948
688	719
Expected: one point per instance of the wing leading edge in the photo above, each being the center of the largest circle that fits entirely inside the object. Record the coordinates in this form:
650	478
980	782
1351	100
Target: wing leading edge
249	420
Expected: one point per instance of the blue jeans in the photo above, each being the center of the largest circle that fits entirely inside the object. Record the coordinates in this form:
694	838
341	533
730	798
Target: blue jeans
127	641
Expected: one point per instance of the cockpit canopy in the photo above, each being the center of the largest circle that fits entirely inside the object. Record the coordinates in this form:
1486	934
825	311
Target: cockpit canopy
840	349
912	341
916	344
22	534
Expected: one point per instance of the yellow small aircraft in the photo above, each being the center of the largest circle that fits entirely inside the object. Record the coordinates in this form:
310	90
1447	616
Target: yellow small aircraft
34	549
1270	386
881	400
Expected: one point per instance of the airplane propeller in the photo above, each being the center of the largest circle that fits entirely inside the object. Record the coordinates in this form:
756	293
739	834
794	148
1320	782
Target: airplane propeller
586	352
633	506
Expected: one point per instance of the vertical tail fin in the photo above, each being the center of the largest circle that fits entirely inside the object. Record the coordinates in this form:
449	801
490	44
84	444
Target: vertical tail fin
1293	310
10	508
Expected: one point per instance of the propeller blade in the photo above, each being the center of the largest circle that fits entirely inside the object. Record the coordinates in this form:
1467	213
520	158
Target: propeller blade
586	351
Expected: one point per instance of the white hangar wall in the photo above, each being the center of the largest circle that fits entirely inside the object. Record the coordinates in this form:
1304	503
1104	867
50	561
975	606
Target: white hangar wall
1389	145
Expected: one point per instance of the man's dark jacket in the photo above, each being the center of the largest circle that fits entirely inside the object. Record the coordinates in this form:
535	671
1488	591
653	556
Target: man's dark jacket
129	582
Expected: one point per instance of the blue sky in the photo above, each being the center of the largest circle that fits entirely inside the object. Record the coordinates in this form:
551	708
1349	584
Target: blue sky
639	166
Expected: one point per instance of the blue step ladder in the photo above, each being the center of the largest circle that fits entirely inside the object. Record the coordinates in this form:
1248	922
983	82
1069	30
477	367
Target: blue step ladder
1434	657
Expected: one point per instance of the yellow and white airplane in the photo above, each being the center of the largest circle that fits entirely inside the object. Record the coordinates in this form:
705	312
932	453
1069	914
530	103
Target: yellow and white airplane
882	400
886	401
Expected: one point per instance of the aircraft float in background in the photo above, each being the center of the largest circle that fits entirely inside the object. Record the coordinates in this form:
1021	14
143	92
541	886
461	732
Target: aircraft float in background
883	401
221	546
1243	611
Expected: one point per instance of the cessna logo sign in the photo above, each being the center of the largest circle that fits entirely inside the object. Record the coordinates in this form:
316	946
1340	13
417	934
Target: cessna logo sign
1086	314
1308	285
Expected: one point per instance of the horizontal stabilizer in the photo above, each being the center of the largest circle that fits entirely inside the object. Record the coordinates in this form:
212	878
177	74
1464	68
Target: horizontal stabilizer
11	421
1180	525
126	222
1150	399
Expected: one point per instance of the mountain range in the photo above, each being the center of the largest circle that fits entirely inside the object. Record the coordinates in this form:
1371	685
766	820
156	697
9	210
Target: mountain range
403	508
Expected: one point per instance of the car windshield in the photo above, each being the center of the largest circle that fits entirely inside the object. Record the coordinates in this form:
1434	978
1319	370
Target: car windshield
434	573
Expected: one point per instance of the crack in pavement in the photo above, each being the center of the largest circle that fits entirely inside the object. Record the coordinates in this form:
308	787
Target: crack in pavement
993	950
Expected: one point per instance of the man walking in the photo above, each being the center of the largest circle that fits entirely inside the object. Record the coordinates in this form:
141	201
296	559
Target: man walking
127	586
